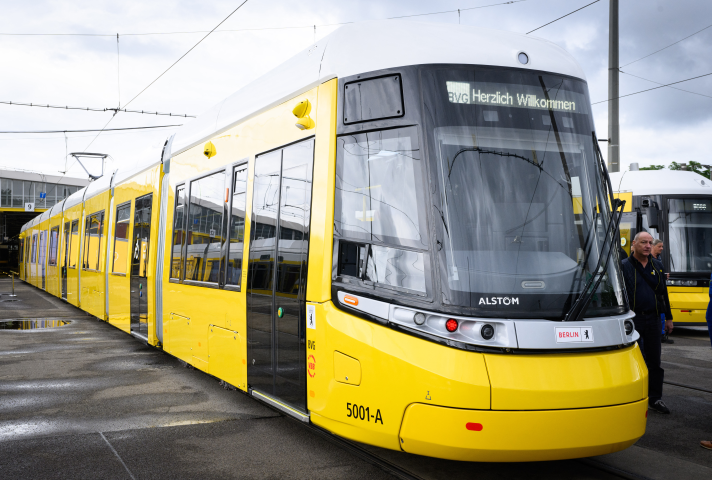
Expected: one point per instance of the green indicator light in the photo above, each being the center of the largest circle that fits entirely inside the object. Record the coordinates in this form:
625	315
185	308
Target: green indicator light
280	312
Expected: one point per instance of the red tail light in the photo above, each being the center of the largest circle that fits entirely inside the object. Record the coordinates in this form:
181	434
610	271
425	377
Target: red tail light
476	427
451	325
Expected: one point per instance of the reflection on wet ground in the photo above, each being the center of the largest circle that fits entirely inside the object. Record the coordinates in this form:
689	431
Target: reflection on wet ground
31	324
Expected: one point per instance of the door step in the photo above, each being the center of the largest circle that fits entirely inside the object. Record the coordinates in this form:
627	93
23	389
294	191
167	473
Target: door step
293	412
140	337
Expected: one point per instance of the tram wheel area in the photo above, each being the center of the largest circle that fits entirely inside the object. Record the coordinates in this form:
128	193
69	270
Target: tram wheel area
85	400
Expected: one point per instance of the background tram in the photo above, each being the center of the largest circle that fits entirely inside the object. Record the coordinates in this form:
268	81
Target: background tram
676	207
401	235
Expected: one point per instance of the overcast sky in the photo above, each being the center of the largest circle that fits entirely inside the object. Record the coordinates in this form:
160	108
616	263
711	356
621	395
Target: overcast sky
657	127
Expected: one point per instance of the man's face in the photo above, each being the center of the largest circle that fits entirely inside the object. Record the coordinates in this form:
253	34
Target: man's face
658	249
644	244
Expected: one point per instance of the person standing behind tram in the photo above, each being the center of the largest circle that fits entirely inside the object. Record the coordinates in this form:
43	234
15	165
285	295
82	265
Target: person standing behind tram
644	280
663	302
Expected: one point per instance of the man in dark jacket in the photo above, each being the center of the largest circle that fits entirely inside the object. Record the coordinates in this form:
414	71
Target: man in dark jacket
644	281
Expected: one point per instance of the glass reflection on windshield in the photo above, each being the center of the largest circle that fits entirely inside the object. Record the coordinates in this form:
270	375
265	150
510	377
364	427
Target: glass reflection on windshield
690	222
521	190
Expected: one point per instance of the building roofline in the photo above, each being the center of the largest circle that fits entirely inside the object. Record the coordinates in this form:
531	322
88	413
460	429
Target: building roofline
41	177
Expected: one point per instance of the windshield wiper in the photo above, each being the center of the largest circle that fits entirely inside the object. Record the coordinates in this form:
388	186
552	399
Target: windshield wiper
581	304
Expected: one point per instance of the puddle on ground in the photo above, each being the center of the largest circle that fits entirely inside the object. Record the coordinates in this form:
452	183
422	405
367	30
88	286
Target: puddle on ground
31	324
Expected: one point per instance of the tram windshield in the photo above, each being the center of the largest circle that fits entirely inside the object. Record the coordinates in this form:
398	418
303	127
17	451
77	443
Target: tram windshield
690	233
521	224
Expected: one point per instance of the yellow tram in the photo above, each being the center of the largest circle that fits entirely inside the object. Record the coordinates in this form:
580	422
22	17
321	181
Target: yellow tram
676	207
395	236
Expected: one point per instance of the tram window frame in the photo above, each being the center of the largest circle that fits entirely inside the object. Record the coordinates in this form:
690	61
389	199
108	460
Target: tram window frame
127	238
73	257
87	241
33	257
219	284
235	287
53	246
366	248
181	254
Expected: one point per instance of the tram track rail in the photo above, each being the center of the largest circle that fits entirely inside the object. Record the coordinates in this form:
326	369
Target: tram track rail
363	454
612	470
682	385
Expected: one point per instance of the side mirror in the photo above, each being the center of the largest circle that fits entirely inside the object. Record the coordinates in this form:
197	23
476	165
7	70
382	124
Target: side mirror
653	215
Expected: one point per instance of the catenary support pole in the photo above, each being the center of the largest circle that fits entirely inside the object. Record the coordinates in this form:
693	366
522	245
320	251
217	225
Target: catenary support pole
613	93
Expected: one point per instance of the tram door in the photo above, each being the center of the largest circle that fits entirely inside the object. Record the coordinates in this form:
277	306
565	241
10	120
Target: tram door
65	264
139	264
277	273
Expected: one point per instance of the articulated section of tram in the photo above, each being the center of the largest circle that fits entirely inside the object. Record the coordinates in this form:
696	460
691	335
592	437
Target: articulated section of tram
375	384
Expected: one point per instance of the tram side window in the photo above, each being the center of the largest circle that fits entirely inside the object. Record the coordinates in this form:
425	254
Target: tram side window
33	257
74	245
53	245
178	233
237	226
121	239
42	251
379	207
205	228
93	233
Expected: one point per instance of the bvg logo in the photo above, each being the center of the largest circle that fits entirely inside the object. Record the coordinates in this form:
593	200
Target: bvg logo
311	366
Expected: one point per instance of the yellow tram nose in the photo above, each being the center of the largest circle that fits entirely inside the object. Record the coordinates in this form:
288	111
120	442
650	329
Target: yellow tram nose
473	406
544	407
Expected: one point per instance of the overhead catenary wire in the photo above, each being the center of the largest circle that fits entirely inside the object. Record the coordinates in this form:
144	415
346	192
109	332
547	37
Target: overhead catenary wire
664	48
654	88
166	70
537	28
91	130
674	88
118	109
70	136
186	53
92	109
313	26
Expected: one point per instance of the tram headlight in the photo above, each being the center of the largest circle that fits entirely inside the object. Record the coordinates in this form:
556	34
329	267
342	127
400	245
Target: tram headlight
419	318
629	327
487	331
451	325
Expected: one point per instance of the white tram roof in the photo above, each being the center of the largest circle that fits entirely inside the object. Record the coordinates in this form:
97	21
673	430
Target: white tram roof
57	208
74	199
368	46
661	182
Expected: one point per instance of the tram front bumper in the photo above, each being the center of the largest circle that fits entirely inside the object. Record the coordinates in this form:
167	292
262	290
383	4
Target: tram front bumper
521	436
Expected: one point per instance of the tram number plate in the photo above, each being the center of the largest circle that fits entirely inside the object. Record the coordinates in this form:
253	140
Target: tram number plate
359	412
574	334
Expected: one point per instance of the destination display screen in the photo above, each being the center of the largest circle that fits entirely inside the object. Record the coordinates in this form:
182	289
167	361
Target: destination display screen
690	205
518	96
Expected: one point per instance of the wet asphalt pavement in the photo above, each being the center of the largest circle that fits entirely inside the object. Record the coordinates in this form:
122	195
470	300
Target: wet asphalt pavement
86	400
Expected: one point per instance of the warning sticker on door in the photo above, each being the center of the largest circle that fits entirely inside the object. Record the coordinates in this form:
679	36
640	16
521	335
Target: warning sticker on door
311	317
